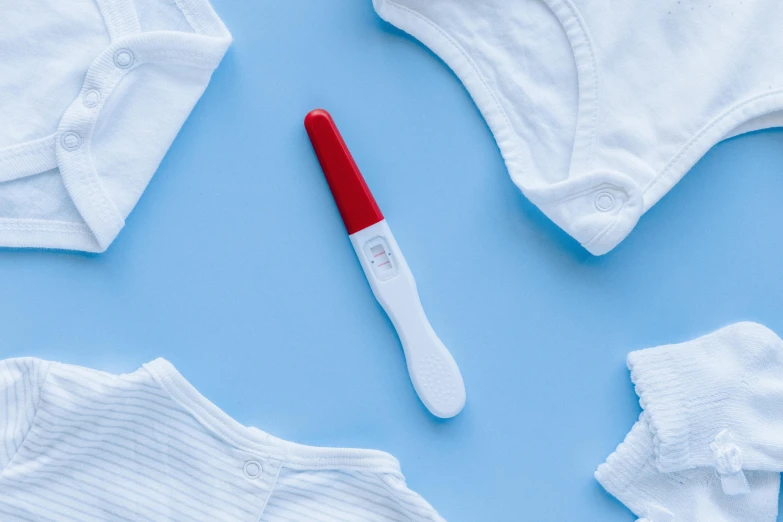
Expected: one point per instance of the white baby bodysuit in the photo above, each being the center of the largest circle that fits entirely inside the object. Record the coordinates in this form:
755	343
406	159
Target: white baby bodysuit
92	93
82	445
600	107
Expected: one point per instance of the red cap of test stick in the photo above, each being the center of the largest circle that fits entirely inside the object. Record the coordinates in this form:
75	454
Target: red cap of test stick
354	199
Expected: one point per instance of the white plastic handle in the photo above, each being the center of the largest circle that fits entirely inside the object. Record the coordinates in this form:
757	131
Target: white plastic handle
433	371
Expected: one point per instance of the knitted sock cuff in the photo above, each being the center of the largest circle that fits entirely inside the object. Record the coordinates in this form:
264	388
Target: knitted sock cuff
633	459
630	475
686	392
695	391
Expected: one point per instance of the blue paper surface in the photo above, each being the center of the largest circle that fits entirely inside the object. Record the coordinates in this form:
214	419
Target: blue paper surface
236	267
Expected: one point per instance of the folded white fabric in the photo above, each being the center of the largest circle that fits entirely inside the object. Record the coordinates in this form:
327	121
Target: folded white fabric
572	91
716	402
78	444
92	93
695	495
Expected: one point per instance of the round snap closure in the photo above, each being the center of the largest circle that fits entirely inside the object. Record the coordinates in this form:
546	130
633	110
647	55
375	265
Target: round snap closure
91	98
71	141
123	58
252	469
604	201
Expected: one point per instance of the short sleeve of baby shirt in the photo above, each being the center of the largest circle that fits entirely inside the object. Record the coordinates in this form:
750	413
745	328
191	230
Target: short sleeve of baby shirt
20	393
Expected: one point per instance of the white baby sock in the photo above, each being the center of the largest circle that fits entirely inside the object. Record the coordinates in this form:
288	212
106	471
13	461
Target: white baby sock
716	402
694	495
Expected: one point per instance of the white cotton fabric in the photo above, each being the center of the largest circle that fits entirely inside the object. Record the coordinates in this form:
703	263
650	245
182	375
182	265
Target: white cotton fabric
695	495
716	401
92	94
78	444
600	107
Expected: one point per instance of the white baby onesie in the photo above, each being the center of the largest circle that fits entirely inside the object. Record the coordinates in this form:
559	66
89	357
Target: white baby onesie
82	445
92	93
600	107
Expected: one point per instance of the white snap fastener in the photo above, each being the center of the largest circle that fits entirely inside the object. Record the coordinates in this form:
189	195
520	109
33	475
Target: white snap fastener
252	469
123	58
604	201
71	141
91	98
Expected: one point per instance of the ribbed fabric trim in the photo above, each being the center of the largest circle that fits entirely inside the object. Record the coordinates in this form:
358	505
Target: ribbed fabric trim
658	376
431	35
630	475
36	233
31	373
80	178
712	133
258	442
203	18
28	159
510	144
633	458
588	122
119	16
689	392
103	219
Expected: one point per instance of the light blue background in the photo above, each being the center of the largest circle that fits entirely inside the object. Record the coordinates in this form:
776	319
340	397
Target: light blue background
236	267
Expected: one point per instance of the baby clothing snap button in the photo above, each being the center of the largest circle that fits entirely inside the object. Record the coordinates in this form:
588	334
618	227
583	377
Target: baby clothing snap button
123	58
598	209
71	141
604	201
252	469
91	98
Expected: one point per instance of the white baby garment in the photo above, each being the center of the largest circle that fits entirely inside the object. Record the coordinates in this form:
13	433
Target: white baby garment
694	495
600	107
92	93
83	445
715	402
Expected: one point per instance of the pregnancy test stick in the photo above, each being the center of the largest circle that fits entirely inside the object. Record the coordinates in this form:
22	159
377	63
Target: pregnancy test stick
434	373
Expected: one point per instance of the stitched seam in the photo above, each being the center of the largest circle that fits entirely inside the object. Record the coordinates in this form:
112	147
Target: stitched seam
470	62
608	229
594	109
402	503
179	57
279	453
56	226
693	141
160	382
587	42
271	492
13	152
595	88
594	61
87	177
188	14
97	192
40	387
110	18
580	193
83	168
